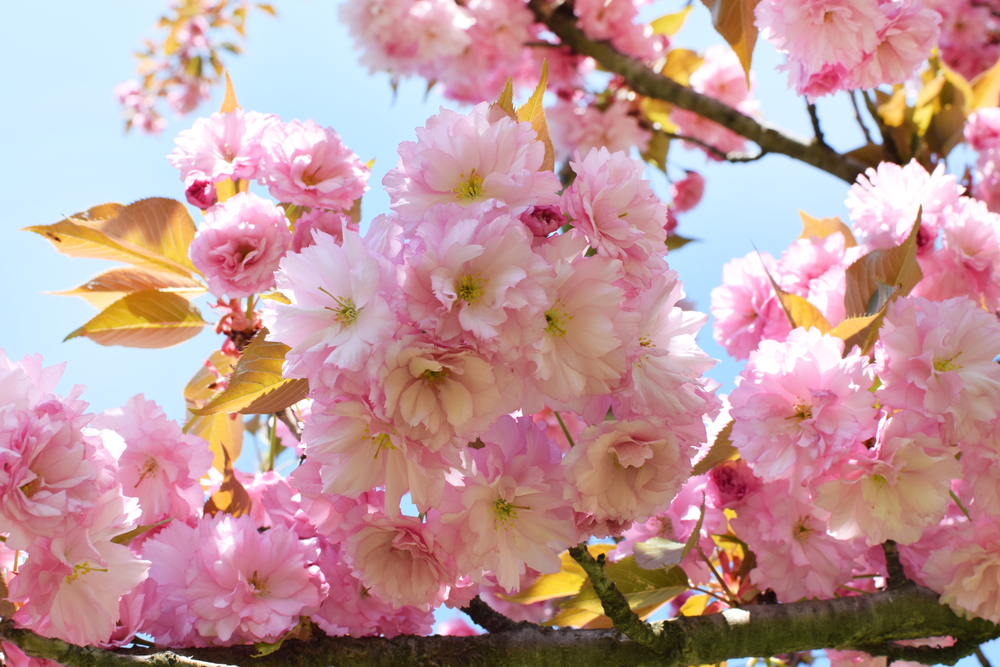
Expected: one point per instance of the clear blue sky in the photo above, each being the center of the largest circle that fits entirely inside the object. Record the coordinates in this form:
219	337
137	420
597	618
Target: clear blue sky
63	149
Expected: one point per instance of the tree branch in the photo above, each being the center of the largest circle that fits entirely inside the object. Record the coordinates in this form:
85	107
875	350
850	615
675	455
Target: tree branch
817	129
897	576
560	20
863	622
615	604
728	157
487	617
927	655
982	657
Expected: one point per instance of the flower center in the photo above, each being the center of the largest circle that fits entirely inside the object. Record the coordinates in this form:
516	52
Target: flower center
644	341
802	412
32	487
471	188
505	513
309	179
148	468
556	320
382	442
470	288
945	365
346	312
433	377
802	529
82	568
259	585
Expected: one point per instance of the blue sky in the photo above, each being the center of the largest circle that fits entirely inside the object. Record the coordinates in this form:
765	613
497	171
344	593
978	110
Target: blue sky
64	150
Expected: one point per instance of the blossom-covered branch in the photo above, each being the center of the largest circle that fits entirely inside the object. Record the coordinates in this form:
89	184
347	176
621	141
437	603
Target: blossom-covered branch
871	622
645	81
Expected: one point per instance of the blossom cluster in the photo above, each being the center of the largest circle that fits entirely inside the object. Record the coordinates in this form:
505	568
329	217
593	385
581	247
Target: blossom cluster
899	445
484	295
834	45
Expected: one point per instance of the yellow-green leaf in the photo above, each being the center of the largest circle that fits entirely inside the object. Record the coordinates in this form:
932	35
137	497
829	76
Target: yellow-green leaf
229	103
822	228
256	385
799	311
986	89
148	319
721	450
108	286
675	241
126	538
892	111
645	590
567	581
890	267
695	605
680	65
505	103
151	232
671	23
656	151
860	331
658	113
532	112
734	20
276	296
221	430
232	497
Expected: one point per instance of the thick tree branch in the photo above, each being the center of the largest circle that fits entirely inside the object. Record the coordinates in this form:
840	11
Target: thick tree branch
643	80
863	622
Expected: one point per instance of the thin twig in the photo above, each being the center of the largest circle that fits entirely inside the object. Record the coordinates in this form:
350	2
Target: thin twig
559	18
728	157
288	418
487	617
983	660
565	430
889	148
732	598
897	576
857	115
817	130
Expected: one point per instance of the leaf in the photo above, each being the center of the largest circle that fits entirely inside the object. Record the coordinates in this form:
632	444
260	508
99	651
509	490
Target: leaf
152	232
532	112
722	450
675	241
896	266
860	331
799	311
567	581
256	385
870	154
126	538
960	83
504	103
658	113
229	103
221	430
267	8
671	23
893	111
680	65
276	296
657	552
107	287
232	497
734	20
656	151
986	89
645	590
823	228
147	319
694	605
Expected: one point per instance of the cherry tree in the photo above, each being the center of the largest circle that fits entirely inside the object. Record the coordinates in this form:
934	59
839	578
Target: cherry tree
494	395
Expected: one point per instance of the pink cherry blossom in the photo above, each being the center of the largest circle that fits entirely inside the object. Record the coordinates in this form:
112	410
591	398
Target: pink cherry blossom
222	146
966	571
509	515
543	220
883	203
799	403
239	246
318	220
579	129
617	210
937	358
905	41
968	35
745	306
625	470
160	466
307	165
338	309
614	20
687	192
247	585
468	159
399	559
895	489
